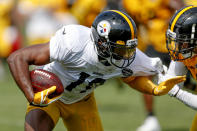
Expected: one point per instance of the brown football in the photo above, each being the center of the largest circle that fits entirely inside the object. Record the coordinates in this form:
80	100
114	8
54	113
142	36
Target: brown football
42	79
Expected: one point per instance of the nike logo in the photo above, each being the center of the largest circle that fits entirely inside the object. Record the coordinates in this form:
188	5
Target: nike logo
64	32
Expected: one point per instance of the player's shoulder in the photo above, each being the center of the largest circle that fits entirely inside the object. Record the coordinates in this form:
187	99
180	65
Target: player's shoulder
144	59
146	64
74	37
140	55
76	30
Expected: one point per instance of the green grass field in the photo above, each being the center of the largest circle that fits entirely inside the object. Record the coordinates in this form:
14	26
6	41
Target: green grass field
120	109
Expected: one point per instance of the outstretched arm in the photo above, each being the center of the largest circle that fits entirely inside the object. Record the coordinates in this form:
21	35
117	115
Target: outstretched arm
142	84
189	99
186	97
19	62
145	85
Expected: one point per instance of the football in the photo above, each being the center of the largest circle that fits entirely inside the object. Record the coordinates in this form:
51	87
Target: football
42	79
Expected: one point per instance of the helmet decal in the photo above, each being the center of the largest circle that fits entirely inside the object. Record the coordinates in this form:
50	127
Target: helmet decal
103	28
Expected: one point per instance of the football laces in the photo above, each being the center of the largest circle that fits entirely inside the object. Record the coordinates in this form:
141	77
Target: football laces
43	73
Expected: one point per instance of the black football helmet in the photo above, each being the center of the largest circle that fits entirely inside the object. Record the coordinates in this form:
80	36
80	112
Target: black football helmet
181	36
115	36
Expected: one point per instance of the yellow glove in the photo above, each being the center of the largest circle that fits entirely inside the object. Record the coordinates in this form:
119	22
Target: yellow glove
165	86
41	98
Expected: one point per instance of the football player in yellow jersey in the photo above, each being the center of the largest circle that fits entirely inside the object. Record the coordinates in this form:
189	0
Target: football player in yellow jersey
152	17
7	43
86	10
190	2
182	46
190	83
54	5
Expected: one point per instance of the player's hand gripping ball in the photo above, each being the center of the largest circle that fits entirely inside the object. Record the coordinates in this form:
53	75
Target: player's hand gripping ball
46	86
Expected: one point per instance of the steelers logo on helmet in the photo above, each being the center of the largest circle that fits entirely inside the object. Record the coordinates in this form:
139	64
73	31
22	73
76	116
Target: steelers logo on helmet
115	36
181	36
103	28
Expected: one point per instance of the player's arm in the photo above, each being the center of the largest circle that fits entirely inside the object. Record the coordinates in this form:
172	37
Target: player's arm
145	85
19	62
186	97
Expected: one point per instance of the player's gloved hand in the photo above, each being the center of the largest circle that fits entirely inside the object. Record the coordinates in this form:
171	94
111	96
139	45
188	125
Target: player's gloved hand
165	86
42	98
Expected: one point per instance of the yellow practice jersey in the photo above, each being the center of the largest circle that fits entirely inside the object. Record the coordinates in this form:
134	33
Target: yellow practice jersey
190	2
5	9
56	5
144	10
191	64
5	21
154	15
86	10
156	31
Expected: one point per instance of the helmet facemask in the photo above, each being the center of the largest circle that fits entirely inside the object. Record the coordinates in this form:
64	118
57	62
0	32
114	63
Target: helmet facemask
122	55
181	46
119	55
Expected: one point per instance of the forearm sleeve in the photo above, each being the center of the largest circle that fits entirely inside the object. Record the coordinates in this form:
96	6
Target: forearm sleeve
187	98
